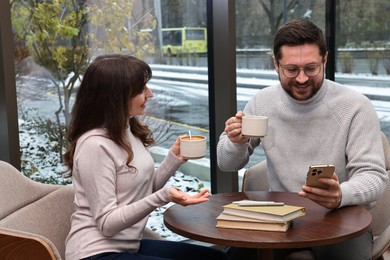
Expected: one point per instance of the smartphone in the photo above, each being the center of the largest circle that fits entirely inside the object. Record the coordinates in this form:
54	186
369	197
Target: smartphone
319	171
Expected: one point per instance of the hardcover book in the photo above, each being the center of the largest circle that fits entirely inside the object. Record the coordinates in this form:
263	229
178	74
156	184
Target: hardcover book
235	222
279	214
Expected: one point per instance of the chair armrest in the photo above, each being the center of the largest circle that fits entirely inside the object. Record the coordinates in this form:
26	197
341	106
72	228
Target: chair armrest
17	245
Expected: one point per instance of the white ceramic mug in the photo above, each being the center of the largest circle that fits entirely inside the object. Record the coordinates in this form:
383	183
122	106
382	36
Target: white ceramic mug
254	126
193	147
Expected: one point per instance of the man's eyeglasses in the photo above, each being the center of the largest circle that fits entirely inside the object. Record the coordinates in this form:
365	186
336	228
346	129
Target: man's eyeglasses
292	71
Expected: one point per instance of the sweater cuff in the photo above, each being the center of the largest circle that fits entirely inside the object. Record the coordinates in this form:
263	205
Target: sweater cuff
346	198
171	163
164	195
238	147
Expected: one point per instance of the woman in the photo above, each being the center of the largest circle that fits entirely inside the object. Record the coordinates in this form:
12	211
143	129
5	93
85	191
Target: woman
115	180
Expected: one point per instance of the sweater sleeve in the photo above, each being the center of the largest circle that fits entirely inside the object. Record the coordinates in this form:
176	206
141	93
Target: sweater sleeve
167	168
367	178
232	156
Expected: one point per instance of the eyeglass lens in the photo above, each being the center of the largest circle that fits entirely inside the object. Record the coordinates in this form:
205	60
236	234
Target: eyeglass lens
292	71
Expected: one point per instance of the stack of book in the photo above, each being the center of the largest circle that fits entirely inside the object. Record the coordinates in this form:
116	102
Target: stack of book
255	215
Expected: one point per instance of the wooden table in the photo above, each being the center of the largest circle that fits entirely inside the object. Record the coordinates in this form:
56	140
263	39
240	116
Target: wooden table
318	227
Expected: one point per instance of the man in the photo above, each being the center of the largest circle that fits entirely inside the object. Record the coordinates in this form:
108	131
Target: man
313	121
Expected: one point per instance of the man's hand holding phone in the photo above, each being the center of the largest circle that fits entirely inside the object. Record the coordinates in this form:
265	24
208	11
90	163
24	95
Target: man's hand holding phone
322	186
316	172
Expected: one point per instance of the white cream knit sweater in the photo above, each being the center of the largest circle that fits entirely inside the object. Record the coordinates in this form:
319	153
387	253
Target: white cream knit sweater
337	126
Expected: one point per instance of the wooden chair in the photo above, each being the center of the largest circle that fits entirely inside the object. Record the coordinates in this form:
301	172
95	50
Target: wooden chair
35	217
22	245
255	178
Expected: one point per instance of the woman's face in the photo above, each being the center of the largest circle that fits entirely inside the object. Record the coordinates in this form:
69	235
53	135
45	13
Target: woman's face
137	104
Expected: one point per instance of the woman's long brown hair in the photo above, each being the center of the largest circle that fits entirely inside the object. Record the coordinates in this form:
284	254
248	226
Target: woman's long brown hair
102	100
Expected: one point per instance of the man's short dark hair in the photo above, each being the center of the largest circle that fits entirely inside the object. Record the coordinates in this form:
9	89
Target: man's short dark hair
298	32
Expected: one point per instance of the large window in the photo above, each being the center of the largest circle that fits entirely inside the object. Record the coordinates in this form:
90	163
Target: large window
52	47
54	44
362	40
256	24
363	52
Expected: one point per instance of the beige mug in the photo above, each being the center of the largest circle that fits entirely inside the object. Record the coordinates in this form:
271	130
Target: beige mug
254	126
193	147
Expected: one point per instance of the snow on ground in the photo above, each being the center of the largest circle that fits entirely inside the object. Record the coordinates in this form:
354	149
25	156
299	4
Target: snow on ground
187	184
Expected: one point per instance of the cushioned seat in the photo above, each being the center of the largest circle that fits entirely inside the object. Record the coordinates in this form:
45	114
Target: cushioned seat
35	216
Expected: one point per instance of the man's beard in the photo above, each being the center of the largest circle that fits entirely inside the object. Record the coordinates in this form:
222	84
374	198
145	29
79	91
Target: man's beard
294	85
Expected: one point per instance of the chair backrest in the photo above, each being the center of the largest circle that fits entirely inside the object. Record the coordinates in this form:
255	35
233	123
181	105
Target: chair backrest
36	214
255	178
381	213
35	208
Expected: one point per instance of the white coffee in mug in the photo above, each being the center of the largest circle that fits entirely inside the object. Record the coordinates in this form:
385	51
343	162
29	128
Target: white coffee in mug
254	126
193	147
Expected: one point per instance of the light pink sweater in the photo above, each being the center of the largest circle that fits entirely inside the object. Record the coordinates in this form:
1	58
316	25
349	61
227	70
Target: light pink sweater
113	201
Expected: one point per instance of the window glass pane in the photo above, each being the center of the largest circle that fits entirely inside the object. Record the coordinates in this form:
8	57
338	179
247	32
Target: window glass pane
362	44
256	25
172	37
55	42
363	48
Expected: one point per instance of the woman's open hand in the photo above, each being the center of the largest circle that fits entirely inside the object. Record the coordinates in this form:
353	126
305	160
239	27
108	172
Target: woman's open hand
182	198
